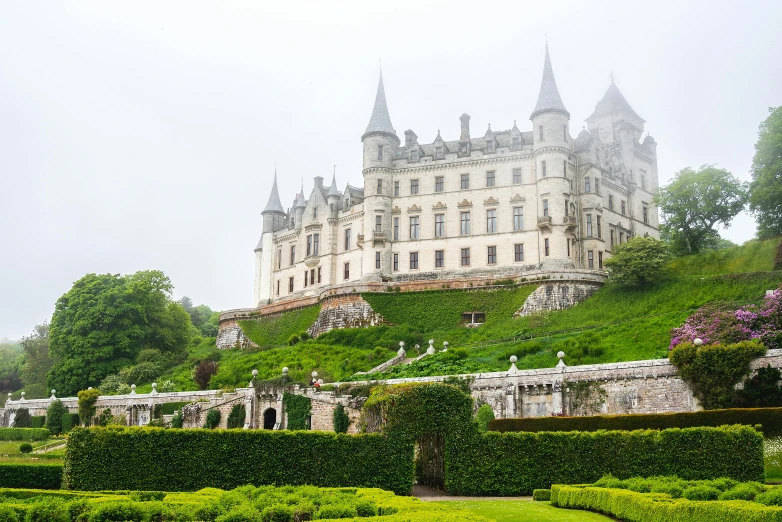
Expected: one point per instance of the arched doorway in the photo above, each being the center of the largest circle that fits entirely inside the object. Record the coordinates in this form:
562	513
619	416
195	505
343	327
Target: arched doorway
269	419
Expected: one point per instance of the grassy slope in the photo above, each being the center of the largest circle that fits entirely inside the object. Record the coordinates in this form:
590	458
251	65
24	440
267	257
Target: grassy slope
524	511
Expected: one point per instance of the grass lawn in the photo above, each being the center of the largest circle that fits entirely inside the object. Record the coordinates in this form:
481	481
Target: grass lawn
524	511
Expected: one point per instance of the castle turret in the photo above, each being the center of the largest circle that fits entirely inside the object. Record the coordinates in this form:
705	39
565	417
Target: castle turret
273	219
298	208
333	196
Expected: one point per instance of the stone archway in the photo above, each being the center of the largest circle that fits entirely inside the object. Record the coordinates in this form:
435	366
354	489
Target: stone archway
269	418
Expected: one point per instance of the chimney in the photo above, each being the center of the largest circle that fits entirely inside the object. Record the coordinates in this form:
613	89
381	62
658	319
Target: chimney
465	119
318	182
410	138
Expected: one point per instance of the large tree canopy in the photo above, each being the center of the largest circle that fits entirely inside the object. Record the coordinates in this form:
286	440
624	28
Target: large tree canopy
695	202
639	262
103	322
765	196
36	362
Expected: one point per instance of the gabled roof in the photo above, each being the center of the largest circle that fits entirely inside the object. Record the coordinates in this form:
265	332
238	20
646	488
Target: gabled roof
549	99
380	120
274	204
613	100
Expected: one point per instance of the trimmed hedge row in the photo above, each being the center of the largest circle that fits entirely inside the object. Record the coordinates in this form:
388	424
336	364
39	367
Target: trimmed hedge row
770	420
28	434
70	421
509	464
187	460
30	476
38	421
653	507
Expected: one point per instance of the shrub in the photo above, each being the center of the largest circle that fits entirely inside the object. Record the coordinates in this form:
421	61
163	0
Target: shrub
772	497
48	510
305	336
541	495
212	419
761	390
22	419
298	409
87	400
26	447
54	414
293	340
178	420
69	420
35	476
337	511
38	421
28	434
202	373
8	514
118	512
341	419
641	261
483	417
701	493
745	491
104	419
277	513
237	416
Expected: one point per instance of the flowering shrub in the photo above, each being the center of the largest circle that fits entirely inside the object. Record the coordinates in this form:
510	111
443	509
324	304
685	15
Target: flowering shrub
716	323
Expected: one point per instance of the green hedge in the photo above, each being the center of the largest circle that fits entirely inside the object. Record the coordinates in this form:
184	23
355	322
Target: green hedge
640	507
541	495
168	408
70	421
38	421
29	434
509	464
35	476
770	420
187	460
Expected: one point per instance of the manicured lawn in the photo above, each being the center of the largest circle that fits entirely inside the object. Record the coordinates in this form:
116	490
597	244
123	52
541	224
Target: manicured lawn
524	511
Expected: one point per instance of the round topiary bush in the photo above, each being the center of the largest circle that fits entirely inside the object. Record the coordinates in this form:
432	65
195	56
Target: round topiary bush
26	448
293	339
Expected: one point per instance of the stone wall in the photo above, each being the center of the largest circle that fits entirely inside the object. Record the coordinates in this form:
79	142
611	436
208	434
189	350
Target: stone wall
553	296
344	311
230	335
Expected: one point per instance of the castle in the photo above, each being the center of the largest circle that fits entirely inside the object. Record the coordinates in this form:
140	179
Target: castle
503	204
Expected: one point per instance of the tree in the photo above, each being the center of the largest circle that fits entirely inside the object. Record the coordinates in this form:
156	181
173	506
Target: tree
87	400
639	262
22	419
765	190
54	414
10	359
36	362
203	372
102	323
695	202
212	419
341	419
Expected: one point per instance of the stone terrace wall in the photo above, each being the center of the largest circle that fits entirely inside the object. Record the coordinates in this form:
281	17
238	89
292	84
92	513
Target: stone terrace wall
344	311
553	296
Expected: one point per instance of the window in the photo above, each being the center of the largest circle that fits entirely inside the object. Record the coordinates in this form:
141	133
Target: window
414	229
589	225
319	274
378	223
613	238
599	228
396	262
346	273
490	145
587	185
567	211
491	221
567	242
564	168
465	257
621	237
518	252
439	258
314	213
439	225
279	258
377	260
413	187
465	181
380	186
600	260
306	274
624	207
545	207
413	260
347	239
490	178
646	214
438	184
293	254
312	276
380	153
540	132
543	168
491	255
643	179
546	246
591	259
396	229
518	218
517	176
290	285
611	201
315	244
414	155
309	245
564	132
516	143
465	220
396	189
438	153
597	186
278	287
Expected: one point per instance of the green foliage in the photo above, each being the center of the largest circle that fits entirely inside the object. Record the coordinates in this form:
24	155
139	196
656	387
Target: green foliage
186	460
701	492
28	434
768	421
772	497
483	417
765	190
37	421
105	417
695	202
541	495
203	372
641	261
237	416
280	329
54	414
70	420
761	390
87	400
293	340
168	408
212	419
36	476
10	362
752	256
22	419
298	408
25	447
36	362
178	420
341	419
714	369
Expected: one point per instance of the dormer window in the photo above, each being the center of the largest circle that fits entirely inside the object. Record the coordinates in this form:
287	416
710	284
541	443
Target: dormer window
438	152
490	146
516	143
414	155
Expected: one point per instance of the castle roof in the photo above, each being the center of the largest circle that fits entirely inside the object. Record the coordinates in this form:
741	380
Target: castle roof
274	204
380	120
333	190
613	100
549	99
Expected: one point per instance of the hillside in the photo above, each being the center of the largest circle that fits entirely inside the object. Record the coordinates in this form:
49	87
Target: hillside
615	324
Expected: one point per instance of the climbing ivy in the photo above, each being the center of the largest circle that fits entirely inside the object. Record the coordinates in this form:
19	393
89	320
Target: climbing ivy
298	409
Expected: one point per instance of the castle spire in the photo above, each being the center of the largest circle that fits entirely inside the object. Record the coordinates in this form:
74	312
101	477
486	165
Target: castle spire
274	204
333	190
613	100
380	120
549	99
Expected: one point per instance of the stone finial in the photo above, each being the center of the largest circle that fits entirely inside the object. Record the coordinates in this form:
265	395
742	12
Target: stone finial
133	389
53	392
417	347
89	387
430	350
513	359
154	388
255	373
314	375
401	352
561	356
698	341
445	346
22	397
513	369
285	370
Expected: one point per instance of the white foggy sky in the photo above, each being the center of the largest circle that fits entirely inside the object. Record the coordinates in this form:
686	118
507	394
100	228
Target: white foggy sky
143	135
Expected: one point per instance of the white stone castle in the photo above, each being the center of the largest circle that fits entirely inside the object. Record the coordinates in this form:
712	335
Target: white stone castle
503	204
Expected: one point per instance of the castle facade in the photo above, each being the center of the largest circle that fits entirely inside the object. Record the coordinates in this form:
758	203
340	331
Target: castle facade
502	204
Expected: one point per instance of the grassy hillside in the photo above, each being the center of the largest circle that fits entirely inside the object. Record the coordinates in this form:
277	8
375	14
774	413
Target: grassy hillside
277	330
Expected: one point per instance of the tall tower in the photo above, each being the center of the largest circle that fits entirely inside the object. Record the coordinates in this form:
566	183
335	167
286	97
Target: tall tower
273	219
380	144
553	172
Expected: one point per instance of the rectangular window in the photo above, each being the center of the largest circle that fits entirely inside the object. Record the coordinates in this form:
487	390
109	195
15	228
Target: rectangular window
613	238
414	155
290	285
589	225
518	252
643	179
346	273
540	132
545	207
378	223
309	245
396	189
564	168
591	259
314	213
293	255
491	253
543	168
438	153
517	176
414	229
646	214
439	258
377	260
490	145
611	202
546	246
624	207
516	143
347	239
621	237
599	228
465	257
597	186
279	258
315	244
567	211
567	242
439	186
490	178
396	229
413	187
278	287
465	221
587	185
465	181
439	225
600	260
312	276
380	186
318	274
518	218
491	221
306	275
380	153
413	260
396	262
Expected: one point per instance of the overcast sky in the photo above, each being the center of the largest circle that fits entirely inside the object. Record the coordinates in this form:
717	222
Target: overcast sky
143	135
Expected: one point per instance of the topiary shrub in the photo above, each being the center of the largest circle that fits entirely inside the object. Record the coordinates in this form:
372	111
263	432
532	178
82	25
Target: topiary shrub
337	511
118	511
38	421
541	495
177	420
212	419
745	491
304	336
69	420
293	339
237	416
22	419
8	514
277	513
26	448
483	417
702	492
54	415
341	419
49	510
87	400
772	497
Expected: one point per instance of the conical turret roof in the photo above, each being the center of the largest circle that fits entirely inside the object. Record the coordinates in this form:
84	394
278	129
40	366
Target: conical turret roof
549	99
274	204
380	120
333	190
613	100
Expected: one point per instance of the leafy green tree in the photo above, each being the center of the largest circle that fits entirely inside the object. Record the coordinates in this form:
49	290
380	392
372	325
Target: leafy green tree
212	419
101	324
765	191
762	390
22	419
54	414
10	360
695	202
36	362
341	419
639	262
87	400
